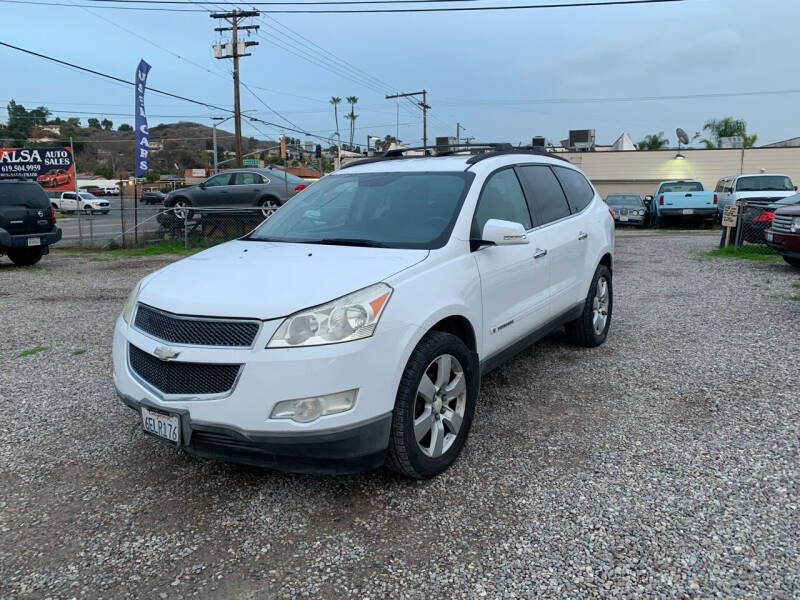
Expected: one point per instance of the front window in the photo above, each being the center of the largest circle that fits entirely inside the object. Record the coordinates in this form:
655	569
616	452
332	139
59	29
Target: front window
681	186
219	180
764	183
392	210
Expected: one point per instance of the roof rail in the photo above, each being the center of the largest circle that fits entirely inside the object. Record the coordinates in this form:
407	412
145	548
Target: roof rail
537	150
450	149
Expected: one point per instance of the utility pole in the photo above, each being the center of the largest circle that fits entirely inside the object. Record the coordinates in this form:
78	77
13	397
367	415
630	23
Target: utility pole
235	49
468	139
425	108
459	129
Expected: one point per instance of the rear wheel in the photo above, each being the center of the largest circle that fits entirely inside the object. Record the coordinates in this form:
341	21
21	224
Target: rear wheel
269	206
591	328
182	209
795	262
25	257
434	406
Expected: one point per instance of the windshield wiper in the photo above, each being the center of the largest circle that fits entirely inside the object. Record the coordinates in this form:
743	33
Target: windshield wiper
348	242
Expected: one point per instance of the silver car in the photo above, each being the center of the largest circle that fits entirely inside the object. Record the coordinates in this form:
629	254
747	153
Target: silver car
236	188
628	209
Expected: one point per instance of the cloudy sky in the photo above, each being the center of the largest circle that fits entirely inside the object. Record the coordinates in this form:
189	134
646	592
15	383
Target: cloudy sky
505	75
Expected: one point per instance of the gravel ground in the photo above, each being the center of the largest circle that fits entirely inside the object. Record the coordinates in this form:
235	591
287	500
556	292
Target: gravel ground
664	464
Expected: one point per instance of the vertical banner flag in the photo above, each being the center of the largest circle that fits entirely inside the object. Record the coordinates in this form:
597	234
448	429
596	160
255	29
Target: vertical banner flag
142	134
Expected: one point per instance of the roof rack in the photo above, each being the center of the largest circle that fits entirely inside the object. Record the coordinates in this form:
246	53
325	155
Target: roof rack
480	151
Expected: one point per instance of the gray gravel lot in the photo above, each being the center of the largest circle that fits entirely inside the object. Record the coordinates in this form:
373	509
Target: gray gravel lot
664	464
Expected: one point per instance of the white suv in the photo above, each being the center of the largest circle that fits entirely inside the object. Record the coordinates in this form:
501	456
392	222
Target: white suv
351	329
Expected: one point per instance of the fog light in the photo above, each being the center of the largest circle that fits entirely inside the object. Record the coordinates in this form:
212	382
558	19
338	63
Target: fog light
306	410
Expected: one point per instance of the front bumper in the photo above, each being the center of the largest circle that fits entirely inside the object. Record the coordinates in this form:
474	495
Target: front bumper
8	240
785	244
353	449
236	425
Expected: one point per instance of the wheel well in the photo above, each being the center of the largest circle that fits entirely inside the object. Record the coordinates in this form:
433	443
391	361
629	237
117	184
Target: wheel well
460	327
607	261
269	197
174	200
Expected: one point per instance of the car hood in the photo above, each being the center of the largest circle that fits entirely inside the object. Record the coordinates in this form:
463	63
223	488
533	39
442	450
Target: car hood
627	206
793	211
267	280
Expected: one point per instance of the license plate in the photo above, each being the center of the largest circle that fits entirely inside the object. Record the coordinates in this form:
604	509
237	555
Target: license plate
623	217
34	241
162	425
688	211
768	234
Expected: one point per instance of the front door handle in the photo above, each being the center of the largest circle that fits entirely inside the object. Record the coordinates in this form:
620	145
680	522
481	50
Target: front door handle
539	253
583	235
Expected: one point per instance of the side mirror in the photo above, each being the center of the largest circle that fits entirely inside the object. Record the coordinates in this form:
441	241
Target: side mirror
504	233
648	198
202	185
795	188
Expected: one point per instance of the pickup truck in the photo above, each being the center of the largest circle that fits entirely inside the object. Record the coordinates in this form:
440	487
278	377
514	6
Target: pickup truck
683	199
89	203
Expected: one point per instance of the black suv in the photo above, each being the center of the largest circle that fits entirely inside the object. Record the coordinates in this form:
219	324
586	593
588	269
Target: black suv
27	222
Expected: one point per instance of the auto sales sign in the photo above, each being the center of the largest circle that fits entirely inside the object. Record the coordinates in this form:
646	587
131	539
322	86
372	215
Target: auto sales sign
53	168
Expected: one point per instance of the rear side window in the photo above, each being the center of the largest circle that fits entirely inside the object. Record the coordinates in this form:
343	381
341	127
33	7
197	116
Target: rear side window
544	193
579	192
248	179
14	194
501	198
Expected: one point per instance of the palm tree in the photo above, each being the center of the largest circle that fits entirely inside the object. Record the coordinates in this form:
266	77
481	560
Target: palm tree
655	141
335	101
727	127
352	101
385	143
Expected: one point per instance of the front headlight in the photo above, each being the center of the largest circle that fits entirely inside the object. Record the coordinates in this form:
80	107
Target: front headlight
348	318
306	410
130	303
796	225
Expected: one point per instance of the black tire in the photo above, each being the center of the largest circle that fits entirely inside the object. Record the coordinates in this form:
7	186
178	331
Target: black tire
181	205
25	257
405	456
795	262
581	331
265	204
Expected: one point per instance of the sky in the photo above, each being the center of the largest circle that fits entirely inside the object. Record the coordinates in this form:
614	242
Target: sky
503	75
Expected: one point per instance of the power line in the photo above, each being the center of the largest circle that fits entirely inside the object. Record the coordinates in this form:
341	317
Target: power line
368	10
457	102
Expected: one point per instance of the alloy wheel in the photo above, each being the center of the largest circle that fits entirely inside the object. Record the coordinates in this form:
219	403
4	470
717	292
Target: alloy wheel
600	306
269	207
439	405
181	209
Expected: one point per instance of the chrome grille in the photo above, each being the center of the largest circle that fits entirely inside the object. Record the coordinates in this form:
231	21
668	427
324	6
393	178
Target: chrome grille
782	223
182	378
195	331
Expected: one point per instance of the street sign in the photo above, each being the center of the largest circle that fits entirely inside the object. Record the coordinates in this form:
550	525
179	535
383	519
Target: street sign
730	215
250	162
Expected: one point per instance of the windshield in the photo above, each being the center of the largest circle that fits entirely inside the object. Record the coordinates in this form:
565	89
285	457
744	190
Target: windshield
624	200
88	196
764	183
681	186
392	210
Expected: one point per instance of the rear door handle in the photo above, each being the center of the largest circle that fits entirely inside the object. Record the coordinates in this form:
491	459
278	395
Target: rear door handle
539	253
583	235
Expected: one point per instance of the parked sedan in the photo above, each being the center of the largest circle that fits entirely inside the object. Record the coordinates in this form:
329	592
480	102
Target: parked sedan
153	197
237	188
628	209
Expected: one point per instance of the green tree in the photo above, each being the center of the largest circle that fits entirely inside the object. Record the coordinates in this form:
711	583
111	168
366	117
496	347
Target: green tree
124	127
352	116
21	121
654	141
107	124
727	127
104	172
385	143
335	100
152	176
94	123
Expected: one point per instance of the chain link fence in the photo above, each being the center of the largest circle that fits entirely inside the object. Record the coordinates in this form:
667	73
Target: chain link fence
143	225
754	218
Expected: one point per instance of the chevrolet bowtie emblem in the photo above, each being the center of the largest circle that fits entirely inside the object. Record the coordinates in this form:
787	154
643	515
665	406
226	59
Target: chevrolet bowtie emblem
165	353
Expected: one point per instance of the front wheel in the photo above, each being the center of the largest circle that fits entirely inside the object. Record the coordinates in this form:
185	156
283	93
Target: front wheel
87	210
591	328
795	262
182	209
25	257
434	406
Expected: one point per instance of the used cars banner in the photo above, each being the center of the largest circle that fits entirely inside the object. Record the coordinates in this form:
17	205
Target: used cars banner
53	168
142	133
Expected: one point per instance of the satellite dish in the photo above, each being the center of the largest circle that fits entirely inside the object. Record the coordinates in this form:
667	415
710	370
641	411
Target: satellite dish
682	137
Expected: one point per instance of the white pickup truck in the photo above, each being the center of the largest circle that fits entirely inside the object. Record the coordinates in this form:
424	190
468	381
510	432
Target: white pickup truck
88	203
